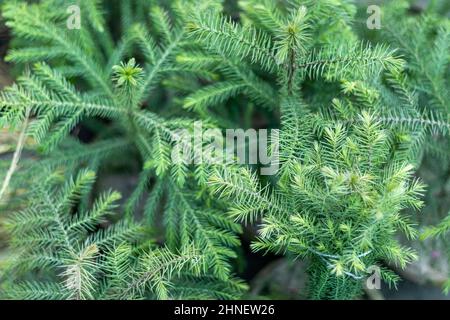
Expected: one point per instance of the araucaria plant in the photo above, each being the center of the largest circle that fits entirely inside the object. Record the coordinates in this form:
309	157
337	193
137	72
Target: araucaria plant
104	89
337	201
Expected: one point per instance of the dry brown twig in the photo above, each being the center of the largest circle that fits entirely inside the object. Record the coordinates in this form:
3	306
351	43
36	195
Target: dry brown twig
16	157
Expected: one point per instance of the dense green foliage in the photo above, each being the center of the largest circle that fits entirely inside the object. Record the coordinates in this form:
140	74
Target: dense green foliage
84	262
358	112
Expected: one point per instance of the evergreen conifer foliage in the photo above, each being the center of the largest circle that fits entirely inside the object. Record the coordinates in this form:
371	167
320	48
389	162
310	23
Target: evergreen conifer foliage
99	85
353	130
337	201
423	41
